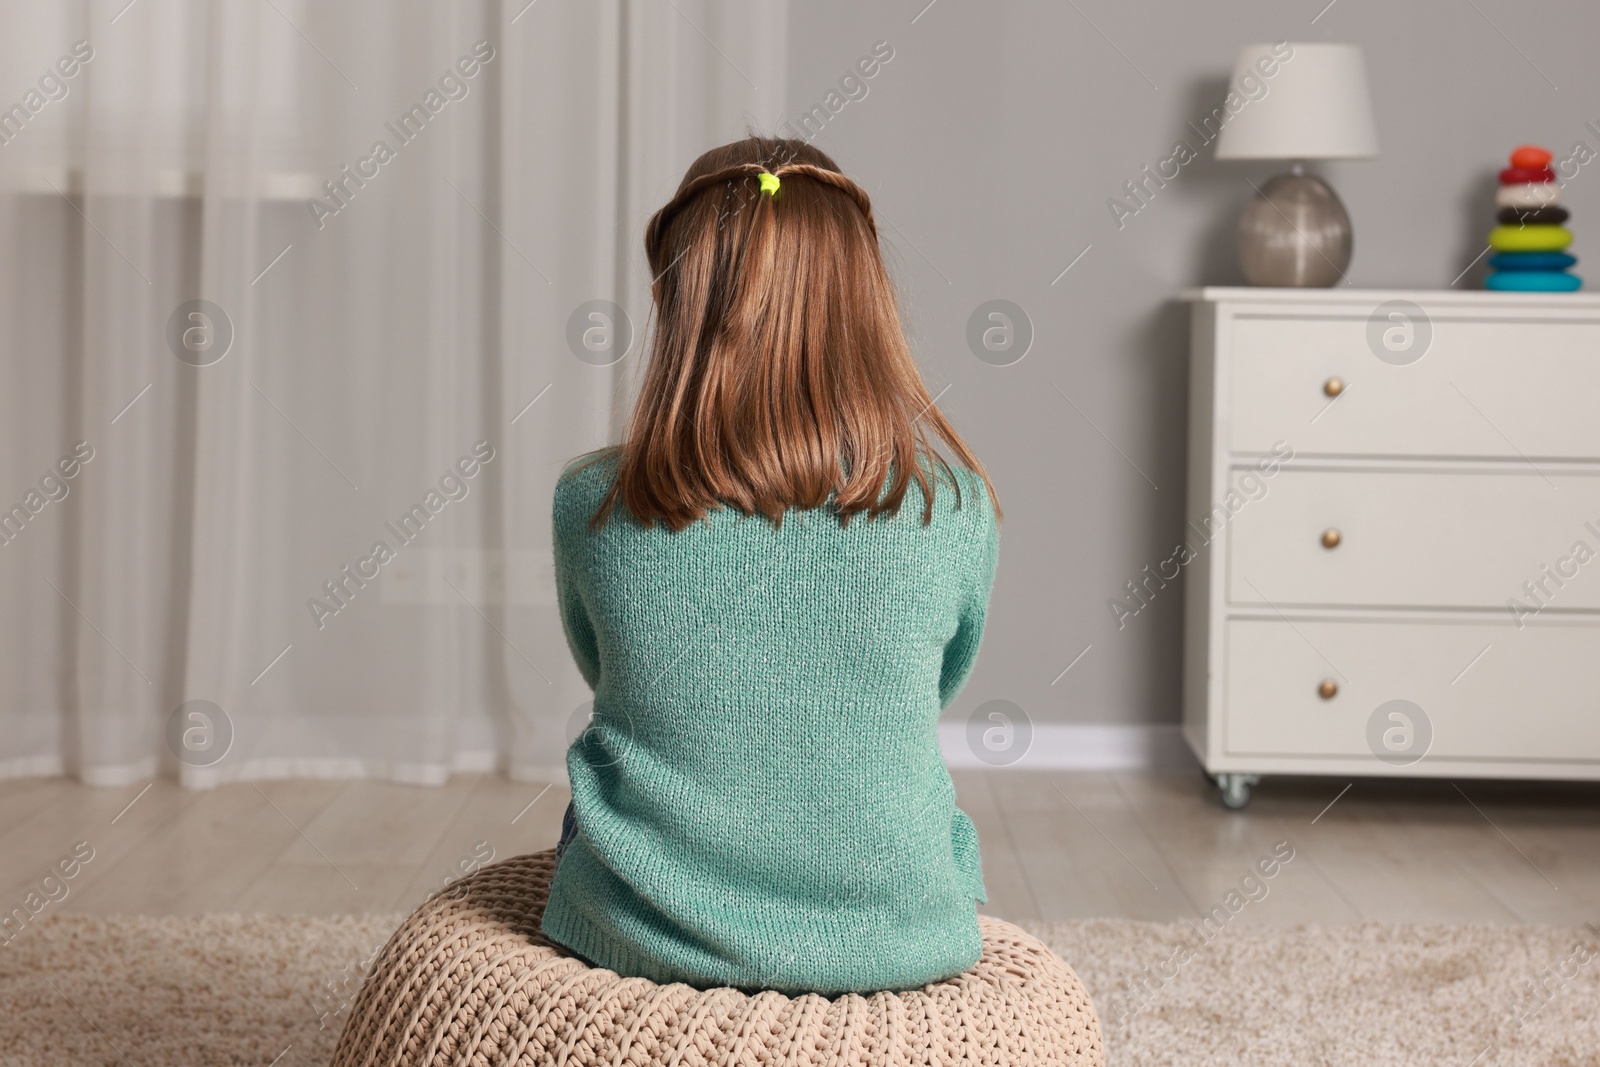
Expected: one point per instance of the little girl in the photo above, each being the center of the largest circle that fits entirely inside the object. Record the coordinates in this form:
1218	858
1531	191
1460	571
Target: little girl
774	585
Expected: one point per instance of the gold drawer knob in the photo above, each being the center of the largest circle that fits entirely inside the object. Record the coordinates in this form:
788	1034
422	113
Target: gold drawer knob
1333	386
1328	689
1331	538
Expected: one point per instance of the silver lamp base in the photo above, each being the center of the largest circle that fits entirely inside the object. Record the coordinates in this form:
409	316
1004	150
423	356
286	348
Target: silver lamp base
1295	231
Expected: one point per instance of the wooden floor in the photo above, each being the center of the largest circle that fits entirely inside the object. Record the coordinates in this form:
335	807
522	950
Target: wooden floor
1140	845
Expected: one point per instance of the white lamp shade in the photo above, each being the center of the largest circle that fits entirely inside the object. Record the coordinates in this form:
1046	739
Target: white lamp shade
1315	104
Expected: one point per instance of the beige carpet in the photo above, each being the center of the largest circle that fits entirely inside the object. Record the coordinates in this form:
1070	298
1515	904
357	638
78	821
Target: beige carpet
256	990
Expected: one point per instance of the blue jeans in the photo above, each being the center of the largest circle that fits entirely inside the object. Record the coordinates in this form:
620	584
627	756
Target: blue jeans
569	826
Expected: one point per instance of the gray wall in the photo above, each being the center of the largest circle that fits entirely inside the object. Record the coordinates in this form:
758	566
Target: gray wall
991	143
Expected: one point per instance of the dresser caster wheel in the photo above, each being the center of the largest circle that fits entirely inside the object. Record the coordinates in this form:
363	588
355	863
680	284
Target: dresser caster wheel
1235	789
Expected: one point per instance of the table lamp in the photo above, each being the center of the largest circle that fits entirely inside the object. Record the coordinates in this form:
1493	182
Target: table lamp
1295	231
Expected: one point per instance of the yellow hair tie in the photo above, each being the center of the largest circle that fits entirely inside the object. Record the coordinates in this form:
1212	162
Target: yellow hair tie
769	182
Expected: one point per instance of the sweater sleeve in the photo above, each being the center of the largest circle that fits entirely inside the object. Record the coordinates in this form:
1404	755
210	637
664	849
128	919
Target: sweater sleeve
962	650
575	619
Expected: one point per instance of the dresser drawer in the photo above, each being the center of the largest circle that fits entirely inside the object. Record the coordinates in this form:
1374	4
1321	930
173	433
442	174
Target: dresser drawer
1483	388
1440	539
1486	693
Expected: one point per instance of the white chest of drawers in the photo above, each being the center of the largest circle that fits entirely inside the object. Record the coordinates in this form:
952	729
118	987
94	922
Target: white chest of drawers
1393	539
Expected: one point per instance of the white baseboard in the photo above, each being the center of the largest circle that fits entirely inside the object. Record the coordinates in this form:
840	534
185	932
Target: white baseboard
1080	746
1053	746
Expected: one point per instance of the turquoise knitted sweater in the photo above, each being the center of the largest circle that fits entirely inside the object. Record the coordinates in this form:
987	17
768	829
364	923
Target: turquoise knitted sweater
760	800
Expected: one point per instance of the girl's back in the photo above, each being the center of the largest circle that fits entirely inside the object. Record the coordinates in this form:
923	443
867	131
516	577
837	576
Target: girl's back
774	585
761	795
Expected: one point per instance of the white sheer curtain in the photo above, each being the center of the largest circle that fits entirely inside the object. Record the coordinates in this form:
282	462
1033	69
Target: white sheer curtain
382	345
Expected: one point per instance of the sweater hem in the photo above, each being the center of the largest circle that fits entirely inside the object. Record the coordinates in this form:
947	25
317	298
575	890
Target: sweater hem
579	935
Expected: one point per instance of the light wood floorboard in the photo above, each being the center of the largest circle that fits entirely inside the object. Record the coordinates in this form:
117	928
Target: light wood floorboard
1056	845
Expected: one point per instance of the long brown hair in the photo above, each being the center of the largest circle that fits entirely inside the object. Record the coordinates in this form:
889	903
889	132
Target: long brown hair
779	375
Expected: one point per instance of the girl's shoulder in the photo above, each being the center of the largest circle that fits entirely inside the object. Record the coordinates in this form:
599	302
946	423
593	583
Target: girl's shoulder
582	487
959	494
597	468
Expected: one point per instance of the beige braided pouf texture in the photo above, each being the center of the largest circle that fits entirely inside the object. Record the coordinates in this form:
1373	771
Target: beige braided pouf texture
468	981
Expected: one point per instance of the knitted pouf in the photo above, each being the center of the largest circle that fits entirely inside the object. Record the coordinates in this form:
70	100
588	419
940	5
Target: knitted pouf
469	980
